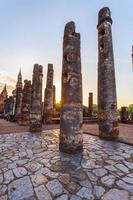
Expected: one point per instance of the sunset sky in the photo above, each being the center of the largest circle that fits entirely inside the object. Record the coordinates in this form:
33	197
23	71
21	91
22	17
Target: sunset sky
31	31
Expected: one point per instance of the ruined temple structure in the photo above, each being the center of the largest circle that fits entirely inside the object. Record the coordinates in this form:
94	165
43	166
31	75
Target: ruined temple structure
107	100
3	99
36	99
8	108
90	104
19	89
71	134
48	96
123	114
26	102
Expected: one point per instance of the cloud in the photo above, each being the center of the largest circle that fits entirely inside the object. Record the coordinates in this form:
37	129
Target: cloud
7	79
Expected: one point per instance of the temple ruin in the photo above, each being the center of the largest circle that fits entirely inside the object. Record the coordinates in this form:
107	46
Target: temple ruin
19	90
3	99
26	103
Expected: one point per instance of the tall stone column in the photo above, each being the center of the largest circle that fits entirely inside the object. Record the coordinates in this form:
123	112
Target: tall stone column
54	101
107	100
71	139
36	99
13	104
19	93
54	96
90	104
26	103
48	97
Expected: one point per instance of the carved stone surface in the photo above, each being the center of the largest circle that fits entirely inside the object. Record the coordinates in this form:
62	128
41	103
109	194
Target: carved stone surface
71	140
26	102
107	100
90	104
48	97
36	100
19	89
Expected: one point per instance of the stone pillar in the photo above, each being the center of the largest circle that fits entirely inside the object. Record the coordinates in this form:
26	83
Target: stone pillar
90	104
26	102
54	101
36	100
13	104
107	100
124	114
19	89
54	96
48	97
71	134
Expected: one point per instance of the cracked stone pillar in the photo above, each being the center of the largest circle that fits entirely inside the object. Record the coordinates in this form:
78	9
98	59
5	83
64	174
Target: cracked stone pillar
54	101
19	93
71	139
124	114
26	102
36	99
54	96
107	100
90	104
48	97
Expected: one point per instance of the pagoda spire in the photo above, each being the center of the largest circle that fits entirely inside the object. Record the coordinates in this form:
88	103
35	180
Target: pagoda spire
5	89
20	71
4	92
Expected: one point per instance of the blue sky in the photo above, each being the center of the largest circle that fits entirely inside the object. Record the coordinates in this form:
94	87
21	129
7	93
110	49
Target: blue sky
32	32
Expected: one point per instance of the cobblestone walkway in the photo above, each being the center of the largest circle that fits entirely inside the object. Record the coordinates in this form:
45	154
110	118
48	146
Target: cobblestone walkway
32	168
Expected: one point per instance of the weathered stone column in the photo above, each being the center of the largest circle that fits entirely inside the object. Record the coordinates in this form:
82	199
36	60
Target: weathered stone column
107	100
54	96
48	97
36	100
71	139
54	101
26	103
124	114
13	104
19	93
90	104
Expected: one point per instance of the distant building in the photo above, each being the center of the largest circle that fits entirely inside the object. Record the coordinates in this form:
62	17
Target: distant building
3	99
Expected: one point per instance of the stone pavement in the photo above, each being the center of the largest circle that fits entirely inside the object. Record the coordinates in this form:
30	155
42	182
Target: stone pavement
125	135
32	168
125	131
